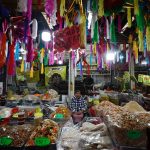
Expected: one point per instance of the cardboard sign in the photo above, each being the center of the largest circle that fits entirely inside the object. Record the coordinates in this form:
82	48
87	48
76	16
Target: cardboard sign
145	79
67	38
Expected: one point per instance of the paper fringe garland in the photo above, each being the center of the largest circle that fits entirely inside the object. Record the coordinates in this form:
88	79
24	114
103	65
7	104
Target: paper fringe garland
62	7
31	71
11	61
30	49
101	8
22	66
136	7
135	51
29	10
42	68
82	31
141	41
113	32
107	29
17	51
148	38
95	37
3	48
129	17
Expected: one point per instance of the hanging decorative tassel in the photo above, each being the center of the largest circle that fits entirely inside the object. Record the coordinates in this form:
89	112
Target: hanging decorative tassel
29	10
119	23
140	20
22	66
83	31
129	17
94	49
135	51
81	69
49	7
17	51
42	55
101	8
148	38
11	61
51	58
130	39
108	31
30	50
62	7
34	29
2	50
94	6
113	32
22	6
46	60
42	68
31	71
141	41
95	38
136	7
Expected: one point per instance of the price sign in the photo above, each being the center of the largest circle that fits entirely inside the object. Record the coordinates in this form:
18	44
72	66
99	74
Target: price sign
133	134
5	141
42	141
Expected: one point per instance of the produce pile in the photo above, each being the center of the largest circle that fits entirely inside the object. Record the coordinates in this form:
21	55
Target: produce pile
127	124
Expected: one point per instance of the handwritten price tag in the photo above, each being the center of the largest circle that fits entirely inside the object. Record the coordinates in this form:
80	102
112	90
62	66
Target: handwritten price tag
5	141
42	141
134	134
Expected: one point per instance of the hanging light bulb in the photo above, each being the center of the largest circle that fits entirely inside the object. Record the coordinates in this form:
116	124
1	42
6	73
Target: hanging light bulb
46	36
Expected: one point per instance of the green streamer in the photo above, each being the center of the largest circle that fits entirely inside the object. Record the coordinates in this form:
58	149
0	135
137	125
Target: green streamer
94	5
45	60
95	37
140	20
113	32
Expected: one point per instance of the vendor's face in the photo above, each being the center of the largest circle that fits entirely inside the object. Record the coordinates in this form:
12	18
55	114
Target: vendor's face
78	94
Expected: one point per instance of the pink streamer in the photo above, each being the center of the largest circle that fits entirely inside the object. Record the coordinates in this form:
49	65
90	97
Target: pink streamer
91	48
30	49
51	58
73	58
119	23
49	7
29	11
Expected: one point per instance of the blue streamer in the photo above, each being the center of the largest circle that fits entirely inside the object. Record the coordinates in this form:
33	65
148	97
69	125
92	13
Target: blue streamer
81	69
17	51
91	57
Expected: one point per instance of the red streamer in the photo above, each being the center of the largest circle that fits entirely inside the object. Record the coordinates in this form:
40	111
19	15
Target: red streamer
11	60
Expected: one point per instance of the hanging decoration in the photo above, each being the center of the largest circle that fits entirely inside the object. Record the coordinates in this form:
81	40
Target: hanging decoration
136	7
2	49
31	70
29	10
11	60
34	29
82	31
30	50
107	29
113	32
94	6
17	49
148	38
135	51
95	37
41	60
62	7
100	8
129	17
51	58
22	6
141	41
22	66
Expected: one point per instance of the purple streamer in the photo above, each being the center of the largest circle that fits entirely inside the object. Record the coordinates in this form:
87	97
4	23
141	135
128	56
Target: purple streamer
29	12
49	7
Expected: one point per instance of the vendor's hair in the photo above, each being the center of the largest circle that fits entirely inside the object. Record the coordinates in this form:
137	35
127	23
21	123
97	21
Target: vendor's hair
77	91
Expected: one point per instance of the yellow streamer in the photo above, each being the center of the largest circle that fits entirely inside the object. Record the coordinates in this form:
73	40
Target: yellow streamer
101	8
94	49
22	66
141	41
130	38
82	31
135	51
62	8
136	7
42	68
148	37
31	72
42	52
129	17
108	49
